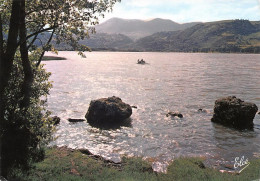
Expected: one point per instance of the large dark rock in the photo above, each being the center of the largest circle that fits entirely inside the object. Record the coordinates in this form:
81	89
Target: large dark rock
231	111
108	111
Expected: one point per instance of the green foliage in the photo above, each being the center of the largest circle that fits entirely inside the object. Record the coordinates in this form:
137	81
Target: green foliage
72	20
25	131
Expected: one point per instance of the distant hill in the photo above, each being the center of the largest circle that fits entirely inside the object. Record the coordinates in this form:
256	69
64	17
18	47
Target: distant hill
104	41
98	41
136	29
221	36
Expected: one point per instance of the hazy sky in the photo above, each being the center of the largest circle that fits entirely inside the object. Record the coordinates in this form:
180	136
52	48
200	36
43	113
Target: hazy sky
187	10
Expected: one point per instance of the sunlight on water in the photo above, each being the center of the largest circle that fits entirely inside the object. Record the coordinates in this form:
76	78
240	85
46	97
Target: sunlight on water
170	82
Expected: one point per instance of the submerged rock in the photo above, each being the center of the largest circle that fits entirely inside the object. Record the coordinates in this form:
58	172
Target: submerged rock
234	112
75	120
108	111
202	110
174	114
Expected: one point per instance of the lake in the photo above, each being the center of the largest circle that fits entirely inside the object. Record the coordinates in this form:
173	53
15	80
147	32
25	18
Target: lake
183	82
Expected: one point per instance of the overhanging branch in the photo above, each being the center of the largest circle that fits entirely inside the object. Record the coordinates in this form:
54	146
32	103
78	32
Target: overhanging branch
47	44
41	31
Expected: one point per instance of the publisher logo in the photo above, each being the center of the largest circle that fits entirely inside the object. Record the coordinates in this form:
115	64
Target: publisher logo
241	163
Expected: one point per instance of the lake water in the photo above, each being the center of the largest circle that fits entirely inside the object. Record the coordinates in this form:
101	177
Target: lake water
181	82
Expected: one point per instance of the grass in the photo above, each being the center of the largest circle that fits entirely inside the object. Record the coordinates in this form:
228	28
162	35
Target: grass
65	164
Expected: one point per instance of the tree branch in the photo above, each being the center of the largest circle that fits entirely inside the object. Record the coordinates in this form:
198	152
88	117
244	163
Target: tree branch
47	44
35	33
41	31
34	38
32	42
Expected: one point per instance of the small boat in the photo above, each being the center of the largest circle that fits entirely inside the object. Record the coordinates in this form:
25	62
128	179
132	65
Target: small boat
141	61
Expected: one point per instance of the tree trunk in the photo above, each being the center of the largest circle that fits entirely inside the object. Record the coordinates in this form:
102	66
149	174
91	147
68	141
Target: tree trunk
6	62
8	56
1	38
27	68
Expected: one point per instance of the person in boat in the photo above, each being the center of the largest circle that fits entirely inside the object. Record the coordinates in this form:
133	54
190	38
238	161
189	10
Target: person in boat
141	61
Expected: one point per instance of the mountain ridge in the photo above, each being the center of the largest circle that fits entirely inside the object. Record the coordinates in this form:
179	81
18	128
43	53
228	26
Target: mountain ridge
136	29
223	36
219	36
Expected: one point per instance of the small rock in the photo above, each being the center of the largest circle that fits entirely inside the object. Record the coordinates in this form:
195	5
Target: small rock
174	114
135	107
201	110
56	120
229	166
75	120
85	151
200	164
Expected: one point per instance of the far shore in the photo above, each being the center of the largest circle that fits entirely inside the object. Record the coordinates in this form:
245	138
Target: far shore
48	58
137	51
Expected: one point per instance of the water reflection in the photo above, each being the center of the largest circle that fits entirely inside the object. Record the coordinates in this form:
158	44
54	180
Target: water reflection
232	143
113	126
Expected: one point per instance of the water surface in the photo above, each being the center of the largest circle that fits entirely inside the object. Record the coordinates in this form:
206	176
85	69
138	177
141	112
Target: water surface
181	82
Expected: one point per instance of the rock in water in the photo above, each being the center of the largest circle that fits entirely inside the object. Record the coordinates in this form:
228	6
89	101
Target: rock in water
107	111
231	111
174	114
76	120
55	120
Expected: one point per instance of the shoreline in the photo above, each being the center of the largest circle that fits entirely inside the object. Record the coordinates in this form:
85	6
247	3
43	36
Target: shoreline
63	163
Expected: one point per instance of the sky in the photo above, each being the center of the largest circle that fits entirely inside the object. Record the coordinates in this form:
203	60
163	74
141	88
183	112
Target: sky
183	11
